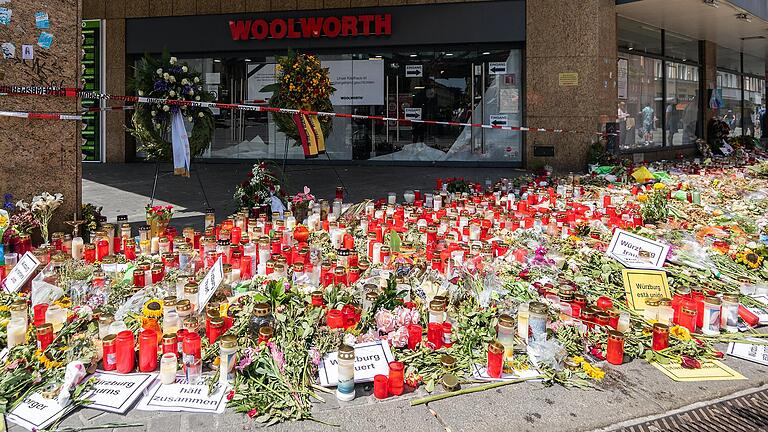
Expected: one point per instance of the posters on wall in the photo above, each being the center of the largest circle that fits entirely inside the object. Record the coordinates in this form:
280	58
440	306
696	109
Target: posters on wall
622	78
357	82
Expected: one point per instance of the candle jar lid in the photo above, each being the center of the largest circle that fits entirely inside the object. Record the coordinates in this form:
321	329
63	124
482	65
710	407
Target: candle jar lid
495	347
106	319
191	288
108	340
579	298
169	338
506	320
660	328
89	246
261	309
616	335
652	302
228	341
733	298
436	305
44	329
442	299
342	252
346	352
266	332
450	382
665	301
169	301
183	305
217	322
18	306
448	361
712	300
537	308
339	271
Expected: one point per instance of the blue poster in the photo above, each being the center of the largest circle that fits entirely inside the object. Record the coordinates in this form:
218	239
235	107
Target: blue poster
41	20
45	40
5	16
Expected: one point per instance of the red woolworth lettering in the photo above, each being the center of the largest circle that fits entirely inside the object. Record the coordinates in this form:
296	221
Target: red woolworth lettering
348	25
240	29
331	27
383	24
292	33
366	20
259	29
311	27
277	28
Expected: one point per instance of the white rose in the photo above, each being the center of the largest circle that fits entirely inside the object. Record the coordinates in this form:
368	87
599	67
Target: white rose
154	113
141	93
191	92
171	93
197	80
159	71
190	119
197	98
184	69
201	115
172	79
165	76
184	81
173	60
166	108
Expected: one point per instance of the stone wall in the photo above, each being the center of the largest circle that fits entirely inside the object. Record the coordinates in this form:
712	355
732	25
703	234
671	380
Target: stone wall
569	37
42	155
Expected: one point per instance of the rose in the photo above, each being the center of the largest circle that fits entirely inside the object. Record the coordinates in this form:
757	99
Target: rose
160	72
173	60
385	321
399	338
184	69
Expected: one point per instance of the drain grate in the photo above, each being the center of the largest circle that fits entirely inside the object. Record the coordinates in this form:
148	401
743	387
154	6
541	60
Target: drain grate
747	413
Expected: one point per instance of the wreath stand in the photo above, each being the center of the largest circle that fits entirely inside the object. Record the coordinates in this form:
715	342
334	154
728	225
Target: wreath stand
285	159
158	174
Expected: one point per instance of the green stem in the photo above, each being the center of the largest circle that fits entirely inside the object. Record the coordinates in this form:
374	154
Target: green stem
470	390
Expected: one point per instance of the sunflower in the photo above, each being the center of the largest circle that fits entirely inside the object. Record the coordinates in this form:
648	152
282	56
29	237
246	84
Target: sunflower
659	186
4	308
681	333
749	259
593	372
153	308
48	363
65	302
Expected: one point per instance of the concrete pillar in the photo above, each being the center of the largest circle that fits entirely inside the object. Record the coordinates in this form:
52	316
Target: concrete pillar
570	77
42	155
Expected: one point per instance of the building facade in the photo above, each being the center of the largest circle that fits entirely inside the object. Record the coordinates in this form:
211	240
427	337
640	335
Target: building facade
575	66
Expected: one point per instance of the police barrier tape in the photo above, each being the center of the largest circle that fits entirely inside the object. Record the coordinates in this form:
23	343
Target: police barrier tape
46	116
87	94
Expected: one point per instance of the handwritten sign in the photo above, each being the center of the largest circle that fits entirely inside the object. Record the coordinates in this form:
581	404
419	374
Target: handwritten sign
183	396
754	353
210	283
635	251
640	285
371	359
115	392
709	371
480	372
21	273
36	412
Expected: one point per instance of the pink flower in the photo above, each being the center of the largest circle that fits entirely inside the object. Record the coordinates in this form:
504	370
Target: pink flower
399	338
277	356
314	356
385	321
230	395
253	413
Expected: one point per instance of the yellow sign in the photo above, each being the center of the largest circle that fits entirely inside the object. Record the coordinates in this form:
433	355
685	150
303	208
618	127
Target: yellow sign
711	370
568	79
640	285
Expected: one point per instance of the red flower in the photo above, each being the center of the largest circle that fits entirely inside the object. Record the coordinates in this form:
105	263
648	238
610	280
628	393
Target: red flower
523	274
230	395
690	363
253	413
597	353
719	354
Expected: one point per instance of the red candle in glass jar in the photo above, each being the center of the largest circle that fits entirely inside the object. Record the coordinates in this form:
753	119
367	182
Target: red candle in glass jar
495	359
215	328
435	335
110	352
89	253
396	378
381	386
615	350
39	311
124	352
170	344
414	336
660	337
353	275
180	335
147	350
687	316
102	248
335	319
447	334
139	279
44	334
191	347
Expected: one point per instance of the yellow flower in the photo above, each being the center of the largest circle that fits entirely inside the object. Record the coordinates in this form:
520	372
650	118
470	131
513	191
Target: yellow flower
659	186
642	197
153	308
593	371
48	363
680	333
65	302
4	308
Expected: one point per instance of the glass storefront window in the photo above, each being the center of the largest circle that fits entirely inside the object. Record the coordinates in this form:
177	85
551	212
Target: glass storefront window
730	112
754	105
640	114
477	86
638	37
681	47
682	104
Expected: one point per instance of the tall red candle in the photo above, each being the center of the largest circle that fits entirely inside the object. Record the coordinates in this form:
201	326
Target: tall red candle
396	378
495	359
148	351
124	352
615	351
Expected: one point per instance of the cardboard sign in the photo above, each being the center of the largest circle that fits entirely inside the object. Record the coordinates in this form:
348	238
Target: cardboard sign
640	285
183	396
116	392
21	273
371	359
497	68
414	71
635	251
210	282
36	412
710	371
754	353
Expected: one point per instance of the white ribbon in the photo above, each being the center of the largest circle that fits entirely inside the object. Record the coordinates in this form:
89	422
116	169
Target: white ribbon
180	142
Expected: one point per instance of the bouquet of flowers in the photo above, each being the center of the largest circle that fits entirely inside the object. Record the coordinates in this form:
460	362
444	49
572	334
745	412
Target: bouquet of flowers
42	207
258	190
300	204
166	78
158	218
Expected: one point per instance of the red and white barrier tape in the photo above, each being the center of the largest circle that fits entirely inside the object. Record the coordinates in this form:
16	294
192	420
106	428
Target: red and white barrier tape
74	92
45	116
